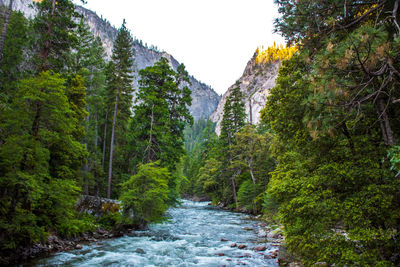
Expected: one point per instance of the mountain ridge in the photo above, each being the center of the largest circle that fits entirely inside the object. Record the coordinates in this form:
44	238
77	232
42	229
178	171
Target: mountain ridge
204	98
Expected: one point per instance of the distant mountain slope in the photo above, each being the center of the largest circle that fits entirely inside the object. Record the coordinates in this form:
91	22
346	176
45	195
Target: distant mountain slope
205	99
255	83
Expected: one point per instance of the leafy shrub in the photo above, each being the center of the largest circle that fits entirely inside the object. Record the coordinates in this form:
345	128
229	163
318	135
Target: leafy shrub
146	194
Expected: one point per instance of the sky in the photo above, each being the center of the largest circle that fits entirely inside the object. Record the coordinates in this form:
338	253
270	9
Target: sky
213	38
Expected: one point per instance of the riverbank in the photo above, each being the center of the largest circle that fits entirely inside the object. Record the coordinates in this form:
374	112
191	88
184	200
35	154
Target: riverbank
96	207
54	244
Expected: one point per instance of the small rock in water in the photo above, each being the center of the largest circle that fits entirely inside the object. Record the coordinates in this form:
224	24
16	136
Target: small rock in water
220	254
242	246
262	233
78	246
248	228
140	251
228	259
260	248
274	254
233	245
224	240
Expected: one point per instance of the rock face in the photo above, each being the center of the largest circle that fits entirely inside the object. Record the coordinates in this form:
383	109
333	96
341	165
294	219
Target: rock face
255	83
97	206
205	99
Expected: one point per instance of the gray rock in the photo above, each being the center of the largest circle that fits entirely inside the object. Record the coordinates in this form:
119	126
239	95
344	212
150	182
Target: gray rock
140	251
276	233
255	84
262	233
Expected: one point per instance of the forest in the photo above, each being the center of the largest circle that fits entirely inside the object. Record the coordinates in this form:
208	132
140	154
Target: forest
324	162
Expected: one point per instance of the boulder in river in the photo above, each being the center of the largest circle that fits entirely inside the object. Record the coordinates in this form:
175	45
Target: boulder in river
224	240
275	233
233	245
260	248
242	246
140	251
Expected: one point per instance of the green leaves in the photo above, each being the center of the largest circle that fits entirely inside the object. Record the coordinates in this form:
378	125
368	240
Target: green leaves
146	193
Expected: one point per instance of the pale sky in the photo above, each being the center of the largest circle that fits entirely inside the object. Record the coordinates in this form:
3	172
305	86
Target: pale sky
213	38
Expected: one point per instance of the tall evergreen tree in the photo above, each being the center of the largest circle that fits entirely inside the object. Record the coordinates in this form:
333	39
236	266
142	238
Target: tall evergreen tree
11	66
233	121
120	87
88	61
161	113
53	27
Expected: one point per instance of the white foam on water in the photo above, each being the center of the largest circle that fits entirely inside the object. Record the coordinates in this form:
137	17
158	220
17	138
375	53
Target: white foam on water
192	237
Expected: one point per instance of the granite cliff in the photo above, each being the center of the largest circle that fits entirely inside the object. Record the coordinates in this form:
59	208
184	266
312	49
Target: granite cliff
255	83
205	99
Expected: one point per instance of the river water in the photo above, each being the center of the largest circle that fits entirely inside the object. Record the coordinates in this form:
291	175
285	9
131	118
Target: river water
191	237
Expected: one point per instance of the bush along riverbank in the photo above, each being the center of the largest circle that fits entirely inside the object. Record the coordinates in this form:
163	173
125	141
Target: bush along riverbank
98	219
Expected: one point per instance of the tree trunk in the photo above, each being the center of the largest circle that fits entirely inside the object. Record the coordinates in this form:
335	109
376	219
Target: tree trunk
46	50
112	147
86	171
148	148
252	174
384	121
5	26
234	191
86	168
104	141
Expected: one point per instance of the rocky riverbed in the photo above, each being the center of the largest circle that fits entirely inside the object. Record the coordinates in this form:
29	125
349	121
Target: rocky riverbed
196	234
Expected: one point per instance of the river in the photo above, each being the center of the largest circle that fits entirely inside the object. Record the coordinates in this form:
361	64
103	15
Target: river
191	237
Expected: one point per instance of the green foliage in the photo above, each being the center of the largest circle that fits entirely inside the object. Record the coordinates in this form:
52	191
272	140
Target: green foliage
145	194
13	56
234	116
394	158
119	92
160	114
337	198
40	161
110	220
53	29
199	140
247	195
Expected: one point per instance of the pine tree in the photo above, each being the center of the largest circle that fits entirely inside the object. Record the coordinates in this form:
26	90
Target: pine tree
233	121
11	67
234	116
53	27
88	61
161	114
120	86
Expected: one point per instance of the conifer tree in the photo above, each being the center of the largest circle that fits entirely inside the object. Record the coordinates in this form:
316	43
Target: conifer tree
11	67
233	121
120	87
88	61
53	26
161	113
